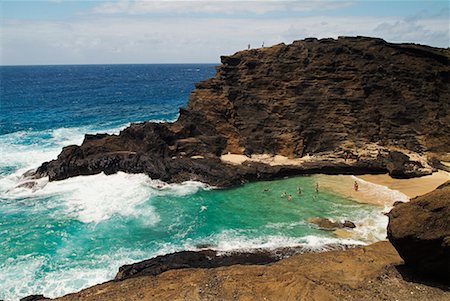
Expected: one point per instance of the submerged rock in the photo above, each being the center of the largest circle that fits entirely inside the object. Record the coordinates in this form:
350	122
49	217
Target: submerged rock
420	231
355	105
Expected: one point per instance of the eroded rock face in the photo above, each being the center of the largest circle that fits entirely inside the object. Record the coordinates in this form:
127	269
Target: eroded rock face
420	231
361	104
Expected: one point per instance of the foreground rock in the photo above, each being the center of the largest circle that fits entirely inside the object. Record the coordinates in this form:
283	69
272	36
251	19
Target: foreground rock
367	273
355	105
420	231
208	259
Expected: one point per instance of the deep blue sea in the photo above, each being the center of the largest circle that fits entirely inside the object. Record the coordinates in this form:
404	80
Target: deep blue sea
60	237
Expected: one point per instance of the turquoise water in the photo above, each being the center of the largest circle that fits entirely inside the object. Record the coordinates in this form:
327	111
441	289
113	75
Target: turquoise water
75	233
60	237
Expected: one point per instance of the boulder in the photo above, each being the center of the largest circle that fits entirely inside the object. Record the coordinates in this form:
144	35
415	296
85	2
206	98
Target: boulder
327	224
420	231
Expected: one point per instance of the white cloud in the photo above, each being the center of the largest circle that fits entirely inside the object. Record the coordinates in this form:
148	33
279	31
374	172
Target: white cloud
139	7
183	40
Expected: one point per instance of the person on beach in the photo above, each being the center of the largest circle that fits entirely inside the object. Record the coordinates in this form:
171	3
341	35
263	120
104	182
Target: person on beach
356	186
317	187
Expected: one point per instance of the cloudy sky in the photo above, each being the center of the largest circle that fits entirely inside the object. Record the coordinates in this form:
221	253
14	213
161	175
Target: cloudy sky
129	31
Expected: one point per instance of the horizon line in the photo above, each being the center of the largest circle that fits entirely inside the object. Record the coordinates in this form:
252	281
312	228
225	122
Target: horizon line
103	64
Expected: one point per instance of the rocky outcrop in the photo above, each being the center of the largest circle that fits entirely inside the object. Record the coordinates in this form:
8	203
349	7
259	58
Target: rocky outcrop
358	104
208	259
420	231
327	224
363	273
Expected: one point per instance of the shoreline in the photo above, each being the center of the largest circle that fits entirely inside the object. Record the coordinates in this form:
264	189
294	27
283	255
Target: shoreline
412	187
341	184
360	273
376	189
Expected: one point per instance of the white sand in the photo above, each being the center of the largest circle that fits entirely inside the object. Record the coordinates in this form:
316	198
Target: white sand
267	159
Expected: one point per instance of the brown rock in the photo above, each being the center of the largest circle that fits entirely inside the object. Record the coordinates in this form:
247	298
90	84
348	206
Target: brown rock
325	223
420	231
366	273
361	103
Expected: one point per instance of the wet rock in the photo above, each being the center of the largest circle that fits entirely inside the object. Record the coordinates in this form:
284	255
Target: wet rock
28	184
192	259
420	231
34	298
327	224
349	224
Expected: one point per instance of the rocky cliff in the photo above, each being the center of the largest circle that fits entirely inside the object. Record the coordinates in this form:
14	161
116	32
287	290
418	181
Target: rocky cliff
354	105
420	231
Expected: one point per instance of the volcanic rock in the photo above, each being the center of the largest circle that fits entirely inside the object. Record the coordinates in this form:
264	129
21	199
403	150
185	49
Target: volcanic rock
327	224
192	259
420	231
34	298
354	105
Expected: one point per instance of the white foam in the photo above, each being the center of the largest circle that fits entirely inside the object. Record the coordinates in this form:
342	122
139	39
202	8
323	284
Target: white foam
285	225
98	197
370	227
31	148
177	189
382	192
54	283
240	240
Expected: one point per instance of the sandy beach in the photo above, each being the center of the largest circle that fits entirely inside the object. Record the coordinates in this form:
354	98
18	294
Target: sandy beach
411	187
380	189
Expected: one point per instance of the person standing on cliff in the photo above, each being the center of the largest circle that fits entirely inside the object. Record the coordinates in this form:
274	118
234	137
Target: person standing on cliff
248	47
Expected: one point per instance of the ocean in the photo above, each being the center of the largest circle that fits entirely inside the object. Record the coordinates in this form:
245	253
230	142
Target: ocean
67	235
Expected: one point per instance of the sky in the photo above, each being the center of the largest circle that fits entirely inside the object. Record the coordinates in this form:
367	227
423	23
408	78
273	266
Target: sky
132	32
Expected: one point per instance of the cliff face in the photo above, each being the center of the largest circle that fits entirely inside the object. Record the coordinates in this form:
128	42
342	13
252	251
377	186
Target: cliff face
329	95
359	104
420	231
